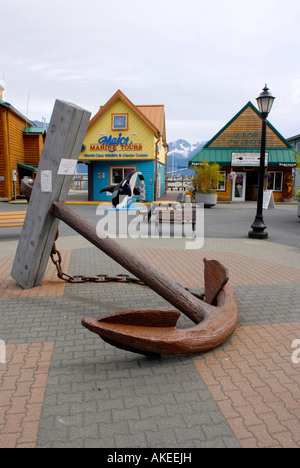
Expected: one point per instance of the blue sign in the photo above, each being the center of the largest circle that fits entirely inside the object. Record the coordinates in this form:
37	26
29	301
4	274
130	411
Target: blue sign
114	141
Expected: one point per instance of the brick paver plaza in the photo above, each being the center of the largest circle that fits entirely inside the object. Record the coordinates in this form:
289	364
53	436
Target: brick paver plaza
62	386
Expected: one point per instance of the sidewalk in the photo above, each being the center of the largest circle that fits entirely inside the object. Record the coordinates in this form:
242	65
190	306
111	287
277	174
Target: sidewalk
62	386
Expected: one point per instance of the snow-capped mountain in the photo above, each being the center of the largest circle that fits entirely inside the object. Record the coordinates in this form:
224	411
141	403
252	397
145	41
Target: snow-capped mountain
180	152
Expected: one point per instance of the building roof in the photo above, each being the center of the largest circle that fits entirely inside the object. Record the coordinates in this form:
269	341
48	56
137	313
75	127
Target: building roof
33	130
223	155
27	167
13	109
156	115
145	113
249	104
296	137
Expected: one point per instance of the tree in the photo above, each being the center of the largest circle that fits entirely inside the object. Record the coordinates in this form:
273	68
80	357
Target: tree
207	177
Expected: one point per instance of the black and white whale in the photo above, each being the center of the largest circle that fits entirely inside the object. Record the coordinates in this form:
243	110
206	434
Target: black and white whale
125	187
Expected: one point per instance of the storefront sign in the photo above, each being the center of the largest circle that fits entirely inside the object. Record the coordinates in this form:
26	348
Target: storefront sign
268	200
245	139
111	143
247	159
115	155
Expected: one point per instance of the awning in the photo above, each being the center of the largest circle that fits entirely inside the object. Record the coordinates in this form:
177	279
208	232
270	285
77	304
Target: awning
33	131
26	167
223	156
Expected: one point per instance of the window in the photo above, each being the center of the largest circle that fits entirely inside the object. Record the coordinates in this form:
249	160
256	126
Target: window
222	182
119	121
117	174
274	181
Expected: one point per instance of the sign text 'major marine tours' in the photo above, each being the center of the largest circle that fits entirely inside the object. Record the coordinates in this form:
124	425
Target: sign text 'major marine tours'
111	144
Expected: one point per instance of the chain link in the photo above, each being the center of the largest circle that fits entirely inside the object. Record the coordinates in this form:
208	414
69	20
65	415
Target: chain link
56	258
81	279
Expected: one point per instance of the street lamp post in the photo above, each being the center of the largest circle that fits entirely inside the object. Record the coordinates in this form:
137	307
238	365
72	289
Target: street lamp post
265	103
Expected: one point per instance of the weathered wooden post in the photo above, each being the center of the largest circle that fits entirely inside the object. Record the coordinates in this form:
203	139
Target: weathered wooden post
62	147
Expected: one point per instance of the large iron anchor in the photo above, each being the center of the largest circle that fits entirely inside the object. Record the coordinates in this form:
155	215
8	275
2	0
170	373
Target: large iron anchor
154	331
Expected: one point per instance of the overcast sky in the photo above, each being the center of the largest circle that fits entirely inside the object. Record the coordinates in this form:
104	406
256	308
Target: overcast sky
203	59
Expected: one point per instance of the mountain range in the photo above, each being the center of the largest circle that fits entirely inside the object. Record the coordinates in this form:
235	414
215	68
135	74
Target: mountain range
180	152
38	123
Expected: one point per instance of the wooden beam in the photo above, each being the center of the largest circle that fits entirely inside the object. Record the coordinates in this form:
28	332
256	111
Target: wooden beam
174	293
64	140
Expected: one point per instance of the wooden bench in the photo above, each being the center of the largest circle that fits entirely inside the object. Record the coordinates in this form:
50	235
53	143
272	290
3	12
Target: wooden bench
12	219
176	216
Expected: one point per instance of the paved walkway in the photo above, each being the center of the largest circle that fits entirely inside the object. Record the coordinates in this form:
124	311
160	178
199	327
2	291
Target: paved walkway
61	386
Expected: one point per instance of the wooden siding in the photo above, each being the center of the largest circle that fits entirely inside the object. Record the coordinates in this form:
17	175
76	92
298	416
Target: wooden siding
286	193
225	195
16	143
15	147
2	173
33	145
249	122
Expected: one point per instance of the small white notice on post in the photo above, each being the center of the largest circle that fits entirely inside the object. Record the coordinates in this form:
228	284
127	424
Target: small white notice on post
268	202
67	167
46	181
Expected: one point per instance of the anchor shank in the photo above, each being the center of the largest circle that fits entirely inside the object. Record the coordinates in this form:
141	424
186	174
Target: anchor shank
172	292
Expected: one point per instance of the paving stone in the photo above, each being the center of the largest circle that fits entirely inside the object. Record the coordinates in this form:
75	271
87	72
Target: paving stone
242	394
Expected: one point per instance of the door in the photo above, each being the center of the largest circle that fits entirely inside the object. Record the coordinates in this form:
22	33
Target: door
239	187
159	184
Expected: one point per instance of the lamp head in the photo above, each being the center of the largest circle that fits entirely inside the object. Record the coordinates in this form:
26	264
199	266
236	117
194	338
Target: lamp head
265	101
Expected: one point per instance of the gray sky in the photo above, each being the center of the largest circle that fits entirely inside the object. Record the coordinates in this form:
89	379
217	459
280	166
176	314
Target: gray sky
203	59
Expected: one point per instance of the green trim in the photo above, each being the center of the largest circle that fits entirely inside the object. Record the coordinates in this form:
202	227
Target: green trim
249	104
28	168
223	156
33	131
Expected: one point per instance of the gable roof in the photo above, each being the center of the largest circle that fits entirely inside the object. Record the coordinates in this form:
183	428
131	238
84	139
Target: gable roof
145	113
156	115
15	111
249	104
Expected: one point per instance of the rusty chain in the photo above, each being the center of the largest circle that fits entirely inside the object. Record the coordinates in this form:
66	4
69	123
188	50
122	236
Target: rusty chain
80	279
56	258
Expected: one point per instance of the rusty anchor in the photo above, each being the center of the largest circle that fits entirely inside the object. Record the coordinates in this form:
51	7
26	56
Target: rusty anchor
154	331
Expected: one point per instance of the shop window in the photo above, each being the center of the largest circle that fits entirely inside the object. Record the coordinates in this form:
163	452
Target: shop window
222	183
117	174
274	181
119	121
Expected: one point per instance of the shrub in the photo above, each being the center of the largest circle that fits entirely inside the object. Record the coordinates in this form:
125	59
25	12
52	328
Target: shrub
207	177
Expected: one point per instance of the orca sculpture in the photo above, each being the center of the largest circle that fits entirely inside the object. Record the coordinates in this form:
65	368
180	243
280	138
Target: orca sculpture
125	187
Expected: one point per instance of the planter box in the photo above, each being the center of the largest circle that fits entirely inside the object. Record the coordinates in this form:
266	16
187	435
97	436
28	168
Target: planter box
209	199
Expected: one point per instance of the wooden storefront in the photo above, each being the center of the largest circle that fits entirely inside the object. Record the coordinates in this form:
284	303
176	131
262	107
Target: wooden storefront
21	144
236	148
121	138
